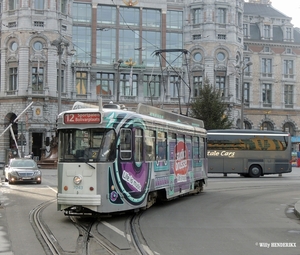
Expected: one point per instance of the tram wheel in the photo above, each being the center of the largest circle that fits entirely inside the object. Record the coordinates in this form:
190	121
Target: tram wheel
255	171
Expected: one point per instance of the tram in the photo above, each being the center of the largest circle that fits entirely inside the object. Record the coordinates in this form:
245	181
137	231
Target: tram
114	160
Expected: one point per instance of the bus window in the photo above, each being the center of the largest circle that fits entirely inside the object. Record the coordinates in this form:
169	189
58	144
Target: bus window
150	145
138	149
161	153
125	144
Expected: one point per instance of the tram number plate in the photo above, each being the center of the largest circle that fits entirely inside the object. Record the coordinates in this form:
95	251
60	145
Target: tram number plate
78	187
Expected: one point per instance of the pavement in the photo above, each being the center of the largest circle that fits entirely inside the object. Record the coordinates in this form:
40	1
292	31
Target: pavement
55	220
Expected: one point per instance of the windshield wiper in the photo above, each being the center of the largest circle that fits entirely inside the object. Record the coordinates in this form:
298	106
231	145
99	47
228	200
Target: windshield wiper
89	164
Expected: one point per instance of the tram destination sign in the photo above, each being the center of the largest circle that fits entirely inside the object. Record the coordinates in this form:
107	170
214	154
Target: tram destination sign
82	118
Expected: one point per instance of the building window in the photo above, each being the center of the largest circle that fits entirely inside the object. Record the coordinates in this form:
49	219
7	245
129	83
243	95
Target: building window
289	33
81	83
13	4
14	46
37	78
197	16
174	19
151	18
174	86
12	24
288	51
151	85
197	37
39	4
267	94
221	16
220	84
197	85
13	78
128	84
197	57
127	43
174	41
237	88
288	69
82	12
63	6
247	68
38	23
221	56
106	14
129	16
150	38
62	83
82	40
240	21
246	93
106	46
267	125
221	37
38	46
266	67
105	83
267	31
288	96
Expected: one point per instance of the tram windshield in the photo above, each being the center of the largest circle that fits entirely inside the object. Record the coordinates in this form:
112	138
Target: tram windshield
96	145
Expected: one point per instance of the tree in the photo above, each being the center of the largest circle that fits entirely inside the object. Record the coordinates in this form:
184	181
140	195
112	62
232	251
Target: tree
210	108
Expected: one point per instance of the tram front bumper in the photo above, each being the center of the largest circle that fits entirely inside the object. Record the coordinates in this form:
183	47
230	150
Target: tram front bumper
81	200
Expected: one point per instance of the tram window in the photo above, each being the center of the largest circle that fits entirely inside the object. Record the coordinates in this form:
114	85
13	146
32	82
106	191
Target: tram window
138	150
125	144
108	147
150	145
202	148
179	138
188	142
196	146
162	146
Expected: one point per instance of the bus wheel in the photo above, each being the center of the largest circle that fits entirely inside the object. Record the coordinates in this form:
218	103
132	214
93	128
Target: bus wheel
255	171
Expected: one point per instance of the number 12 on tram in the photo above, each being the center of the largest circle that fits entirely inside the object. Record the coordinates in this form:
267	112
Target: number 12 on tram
113	160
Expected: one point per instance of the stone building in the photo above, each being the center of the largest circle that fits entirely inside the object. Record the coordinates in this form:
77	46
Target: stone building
57	52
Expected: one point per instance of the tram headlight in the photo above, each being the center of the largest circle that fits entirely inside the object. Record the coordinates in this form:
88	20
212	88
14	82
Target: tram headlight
77	179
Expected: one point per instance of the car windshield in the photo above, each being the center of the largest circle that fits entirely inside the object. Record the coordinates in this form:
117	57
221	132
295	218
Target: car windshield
22	163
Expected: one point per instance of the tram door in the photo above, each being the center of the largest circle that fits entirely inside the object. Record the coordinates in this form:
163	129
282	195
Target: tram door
37	144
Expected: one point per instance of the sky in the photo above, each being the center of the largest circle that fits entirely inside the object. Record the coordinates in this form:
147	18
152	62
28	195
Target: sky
290	8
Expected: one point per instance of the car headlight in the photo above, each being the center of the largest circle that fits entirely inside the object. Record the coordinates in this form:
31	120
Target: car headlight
77	179
36	172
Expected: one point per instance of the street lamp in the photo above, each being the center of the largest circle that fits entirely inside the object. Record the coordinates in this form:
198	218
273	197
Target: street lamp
244	66
60	44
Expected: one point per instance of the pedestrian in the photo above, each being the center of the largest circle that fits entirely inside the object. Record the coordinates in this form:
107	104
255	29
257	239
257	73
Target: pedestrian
31	155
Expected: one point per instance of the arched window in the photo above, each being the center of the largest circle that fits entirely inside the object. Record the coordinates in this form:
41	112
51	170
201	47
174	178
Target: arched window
267	125
289	127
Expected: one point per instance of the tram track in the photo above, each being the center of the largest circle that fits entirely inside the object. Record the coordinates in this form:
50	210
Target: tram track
90	241
43	233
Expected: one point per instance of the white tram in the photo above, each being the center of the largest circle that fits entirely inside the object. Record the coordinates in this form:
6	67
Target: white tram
112	160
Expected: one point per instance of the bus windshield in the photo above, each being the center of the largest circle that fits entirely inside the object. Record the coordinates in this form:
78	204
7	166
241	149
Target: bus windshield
96	145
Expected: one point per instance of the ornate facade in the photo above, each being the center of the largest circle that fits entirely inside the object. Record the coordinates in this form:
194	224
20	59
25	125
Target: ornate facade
57	52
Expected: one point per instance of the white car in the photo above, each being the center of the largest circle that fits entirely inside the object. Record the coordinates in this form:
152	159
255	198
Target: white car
22	170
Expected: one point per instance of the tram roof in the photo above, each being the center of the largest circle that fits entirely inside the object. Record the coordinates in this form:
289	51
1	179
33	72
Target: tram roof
148	111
